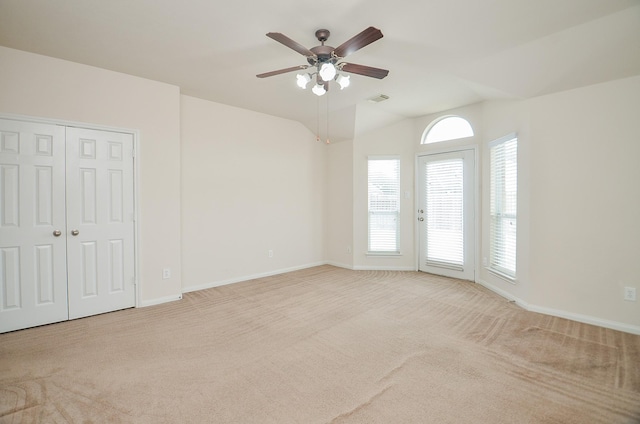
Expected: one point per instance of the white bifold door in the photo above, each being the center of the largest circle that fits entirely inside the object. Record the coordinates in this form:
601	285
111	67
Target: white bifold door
66	223
446	214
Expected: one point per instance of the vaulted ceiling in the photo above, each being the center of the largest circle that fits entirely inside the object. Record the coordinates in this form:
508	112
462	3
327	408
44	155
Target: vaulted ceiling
441	53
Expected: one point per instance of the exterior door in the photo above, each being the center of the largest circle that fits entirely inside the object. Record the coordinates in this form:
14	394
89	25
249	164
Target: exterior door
100	221
446	214
33	274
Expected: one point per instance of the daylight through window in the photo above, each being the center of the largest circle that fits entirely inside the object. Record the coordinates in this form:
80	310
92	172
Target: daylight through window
447	128
504	196
384	205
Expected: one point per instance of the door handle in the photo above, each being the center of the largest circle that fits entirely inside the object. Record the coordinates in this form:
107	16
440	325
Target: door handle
421	219
75	232
57	233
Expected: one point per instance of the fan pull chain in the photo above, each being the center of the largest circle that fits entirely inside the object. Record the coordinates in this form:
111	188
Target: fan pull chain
327	117
318	120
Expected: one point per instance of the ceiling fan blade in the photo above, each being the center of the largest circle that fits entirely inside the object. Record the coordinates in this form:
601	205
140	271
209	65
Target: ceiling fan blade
357	42
281	38
282	71
367	71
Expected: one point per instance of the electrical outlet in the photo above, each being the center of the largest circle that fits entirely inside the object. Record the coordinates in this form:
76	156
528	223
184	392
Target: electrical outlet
270	253
630	294
166	273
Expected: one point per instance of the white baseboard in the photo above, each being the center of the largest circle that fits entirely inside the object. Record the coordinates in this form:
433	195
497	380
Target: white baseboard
586	319
339	265
284	270
370	268
248	277
614	325
506	295
382	268
159	300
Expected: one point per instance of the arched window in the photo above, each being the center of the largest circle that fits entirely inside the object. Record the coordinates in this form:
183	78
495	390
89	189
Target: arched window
447	128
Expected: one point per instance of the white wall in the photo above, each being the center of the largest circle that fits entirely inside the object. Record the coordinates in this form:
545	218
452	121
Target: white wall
578	201
339	207
500	118
585	200
396	140
250	183
41	86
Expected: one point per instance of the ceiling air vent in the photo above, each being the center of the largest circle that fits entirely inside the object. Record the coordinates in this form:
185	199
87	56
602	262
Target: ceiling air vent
379	98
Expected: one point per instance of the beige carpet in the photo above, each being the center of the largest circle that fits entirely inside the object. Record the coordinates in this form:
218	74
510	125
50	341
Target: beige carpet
323	345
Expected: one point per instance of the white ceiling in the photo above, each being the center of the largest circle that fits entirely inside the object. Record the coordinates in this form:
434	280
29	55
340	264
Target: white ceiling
441	53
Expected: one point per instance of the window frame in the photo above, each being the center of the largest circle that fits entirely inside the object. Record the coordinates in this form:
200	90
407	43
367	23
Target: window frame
498	209
425	135
396	213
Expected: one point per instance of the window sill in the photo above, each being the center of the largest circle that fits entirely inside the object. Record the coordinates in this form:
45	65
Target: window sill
502	276
383	254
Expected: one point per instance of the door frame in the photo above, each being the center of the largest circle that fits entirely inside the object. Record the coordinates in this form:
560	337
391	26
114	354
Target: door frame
136	177
476	201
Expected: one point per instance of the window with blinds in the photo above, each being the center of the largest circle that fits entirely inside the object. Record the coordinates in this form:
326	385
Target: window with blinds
384	205
444	214
503	205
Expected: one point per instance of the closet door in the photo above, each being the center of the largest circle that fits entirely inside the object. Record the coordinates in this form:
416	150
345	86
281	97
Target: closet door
33	278
100	221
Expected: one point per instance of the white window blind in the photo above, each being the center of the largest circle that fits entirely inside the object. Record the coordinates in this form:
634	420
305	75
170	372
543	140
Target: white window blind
444	212
504	196
384	205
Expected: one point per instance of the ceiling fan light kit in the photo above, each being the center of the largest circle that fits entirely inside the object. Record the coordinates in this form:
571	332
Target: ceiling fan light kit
327	60
343	81
318	90
327	72
303	80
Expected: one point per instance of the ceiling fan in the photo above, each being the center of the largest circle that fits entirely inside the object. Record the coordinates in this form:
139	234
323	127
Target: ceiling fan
327	60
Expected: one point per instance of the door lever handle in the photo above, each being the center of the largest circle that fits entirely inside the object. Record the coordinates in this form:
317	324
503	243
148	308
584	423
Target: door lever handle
75	232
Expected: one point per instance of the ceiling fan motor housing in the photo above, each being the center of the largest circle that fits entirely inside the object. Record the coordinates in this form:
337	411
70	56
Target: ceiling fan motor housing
322	35
323	55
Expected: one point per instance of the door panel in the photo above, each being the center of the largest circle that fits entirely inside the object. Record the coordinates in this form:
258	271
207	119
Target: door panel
446	214
33	280
66	250
101	210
